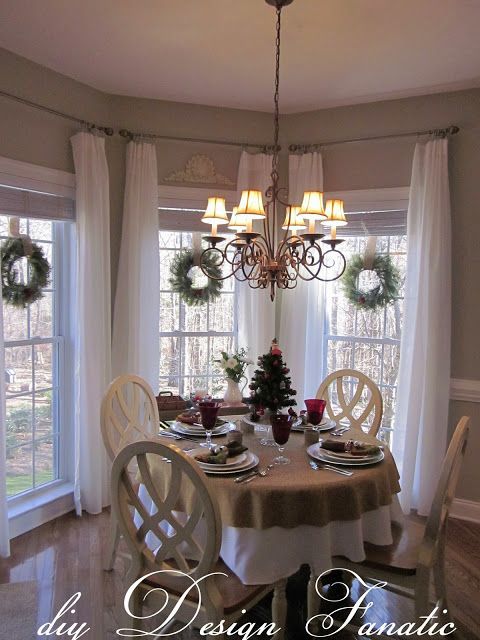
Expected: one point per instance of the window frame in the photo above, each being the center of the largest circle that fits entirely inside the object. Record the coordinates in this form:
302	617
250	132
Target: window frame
189	203
393	199
30	506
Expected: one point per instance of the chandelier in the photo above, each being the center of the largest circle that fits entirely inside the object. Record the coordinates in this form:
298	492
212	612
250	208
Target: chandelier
264	259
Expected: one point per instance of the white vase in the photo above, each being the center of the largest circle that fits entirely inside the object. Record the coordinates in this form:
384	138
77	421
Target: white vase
233	394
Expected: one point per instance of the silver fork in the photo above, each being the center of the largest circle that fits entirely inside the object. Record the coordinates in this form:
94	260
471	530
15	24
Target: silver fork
340	431
316	467
260	472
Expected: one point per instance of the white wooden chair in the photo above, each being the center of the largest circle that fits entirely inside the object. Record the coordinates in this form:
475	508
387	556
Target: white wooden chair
415	562
129	413
221	596
358	409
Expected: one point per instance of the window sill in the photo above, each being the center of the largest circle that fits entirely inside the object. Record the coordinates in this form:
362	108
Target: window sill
36	508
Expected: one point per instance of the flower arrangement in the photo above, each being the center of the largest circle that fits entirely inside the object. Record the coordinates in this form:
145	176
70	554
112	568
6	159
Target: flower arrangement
234	364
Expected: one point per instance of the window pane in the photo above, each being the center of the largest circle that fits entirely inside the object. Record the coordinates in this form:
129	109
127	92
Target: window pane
166	260
43	366
169	384
15	322
221	317
19	420
45	465
339	355
169	312
195	318
19	470
196	356
368	358
40	230
41	317
44	427
169	240
170	358
18	360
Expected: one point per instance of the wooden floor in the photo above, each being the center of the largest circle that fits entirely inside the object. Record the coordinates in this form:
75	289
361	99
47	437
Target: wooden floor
65	556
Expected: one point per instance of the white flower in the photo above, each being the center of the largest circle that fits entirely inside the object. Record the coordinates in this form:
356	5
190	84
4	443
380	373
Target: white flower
231	363
245	360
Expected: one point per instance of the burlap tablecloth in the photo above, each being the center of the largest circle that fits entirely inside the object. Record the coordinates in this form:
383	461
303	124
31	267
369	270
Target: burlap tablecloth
294	494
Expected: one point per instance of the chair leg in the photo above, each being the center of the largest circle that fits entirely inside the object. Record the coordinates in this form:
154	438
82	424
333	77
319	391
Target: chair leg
279	608
112	544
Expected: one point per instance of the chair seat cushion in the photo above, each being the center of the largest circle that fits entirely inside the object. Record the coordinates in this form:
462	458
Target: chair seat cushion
235	594
402	555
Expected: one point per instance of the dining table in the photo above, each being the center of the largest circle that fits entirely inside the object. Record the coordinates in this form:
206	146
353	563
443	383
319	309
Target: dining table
295	515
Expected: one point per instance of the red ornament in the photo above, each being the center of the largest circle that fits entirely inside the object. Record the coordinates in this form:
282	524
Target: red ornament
276	351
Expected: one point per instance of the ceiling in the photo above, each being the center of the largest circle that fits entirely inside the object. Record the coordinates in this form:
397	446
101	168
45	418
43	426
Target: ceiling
221	52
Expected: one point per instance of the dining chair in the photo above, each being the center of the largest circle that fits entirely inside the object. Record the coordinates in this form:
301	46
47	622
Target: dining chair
362	404
129	413
415	561
180	502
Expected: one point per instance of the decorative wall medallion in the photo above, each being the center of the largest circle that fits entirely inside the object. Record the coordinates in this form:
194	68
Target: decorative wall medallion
199	168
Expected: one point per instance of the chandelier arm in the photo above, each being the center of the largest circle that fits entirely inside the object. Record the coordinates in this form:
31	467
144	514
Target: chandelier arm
210	251
342	270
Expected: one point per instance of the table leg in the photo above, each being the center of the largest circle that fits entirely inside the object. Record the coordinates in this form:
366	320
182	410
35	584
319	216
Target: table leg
279	608
312	596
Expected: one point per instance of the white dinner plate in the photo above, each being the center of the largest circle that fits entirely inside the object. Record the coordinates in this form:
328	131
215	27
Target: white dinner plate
248	464
183	429
231	463
315	451
325	425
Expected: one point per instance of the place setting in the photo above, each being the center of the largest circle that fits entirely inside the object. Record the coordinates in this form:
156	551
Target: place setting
349	453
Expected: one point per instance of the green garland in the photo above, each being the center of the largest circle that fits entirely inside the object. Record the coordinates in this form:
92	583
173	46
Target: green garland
17	293
181	282
383	294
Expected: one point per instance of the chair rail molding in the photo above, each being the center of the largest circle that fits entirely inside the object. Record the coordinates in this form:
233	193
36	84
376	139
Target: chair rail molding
465	390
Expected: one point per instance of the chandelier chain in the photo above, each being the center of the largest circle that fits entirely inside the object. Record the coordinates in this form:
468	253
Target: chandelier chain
276	119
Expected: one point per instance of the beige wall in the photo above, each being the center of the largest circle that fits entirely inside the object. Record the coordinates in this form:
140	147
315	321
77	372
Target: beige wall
32	136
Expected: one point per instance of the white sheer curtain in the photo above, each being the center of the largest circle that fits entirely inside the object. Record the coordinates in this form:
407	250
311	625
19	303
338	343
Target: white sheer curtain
4	535
302	308
424	378
93	325
256	312
135	322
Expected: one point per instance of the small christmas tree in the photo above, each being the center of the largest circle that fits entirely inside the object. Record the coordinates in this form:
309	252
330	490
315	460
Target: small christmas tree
270	386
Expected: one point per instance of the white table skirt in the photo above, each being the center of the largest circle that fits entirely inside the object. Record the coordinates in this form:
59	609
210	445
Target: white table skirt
263	556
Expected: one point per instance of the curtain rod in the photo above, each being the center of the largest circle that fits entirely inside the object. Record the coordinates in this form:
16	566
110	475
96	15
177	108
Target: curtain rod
441	133
266	148
108	131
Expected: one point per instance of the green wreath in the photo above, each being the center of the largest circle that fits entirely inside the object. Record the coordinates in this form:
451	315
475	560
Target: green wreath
14	292
383	294
181	282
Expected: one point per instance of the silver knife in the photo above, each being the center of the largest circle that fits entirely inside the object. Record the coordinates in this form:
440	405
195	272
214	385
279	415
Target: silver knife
247	476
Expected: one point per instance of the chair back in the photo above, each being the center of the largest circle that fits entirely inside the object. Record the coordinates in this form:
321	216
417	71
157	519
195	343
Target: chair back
353	396
159	522
431	555
129	413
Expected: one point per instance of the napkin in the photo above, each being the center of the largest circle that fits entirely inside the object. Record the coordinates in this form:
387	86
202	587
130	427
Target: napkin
231	450
355	448
189	418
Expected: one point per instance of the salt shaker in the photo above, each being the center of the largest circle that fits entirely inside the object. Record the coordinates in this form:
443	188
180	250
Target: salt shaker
310	435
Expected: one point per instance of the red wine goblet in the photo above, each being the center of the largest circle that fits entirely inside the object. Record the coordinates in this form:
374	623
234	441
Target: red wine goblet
208	412
281	426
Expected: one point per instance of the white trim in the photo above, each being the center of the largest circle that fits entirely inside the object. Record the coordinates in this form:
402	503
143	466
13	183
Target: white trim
465	390
193	197
465	510
15	173
388	199
34	510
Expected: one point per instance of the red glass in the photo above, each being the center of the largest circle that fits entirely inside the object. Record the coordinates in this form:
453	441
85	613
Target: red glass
281	426
208	412
315	409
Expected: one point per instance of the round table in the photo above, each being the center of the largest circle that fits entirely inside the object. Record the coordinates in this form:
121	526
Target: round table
294	515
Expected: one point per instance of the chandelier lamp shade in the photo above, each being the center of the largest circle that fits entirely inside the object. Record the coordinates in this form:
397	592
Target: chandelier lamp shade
265	257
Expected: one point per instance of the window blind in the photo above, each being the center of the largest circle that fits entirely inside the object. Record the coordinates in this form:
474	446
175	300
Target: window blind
374	223
33	204
363	223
